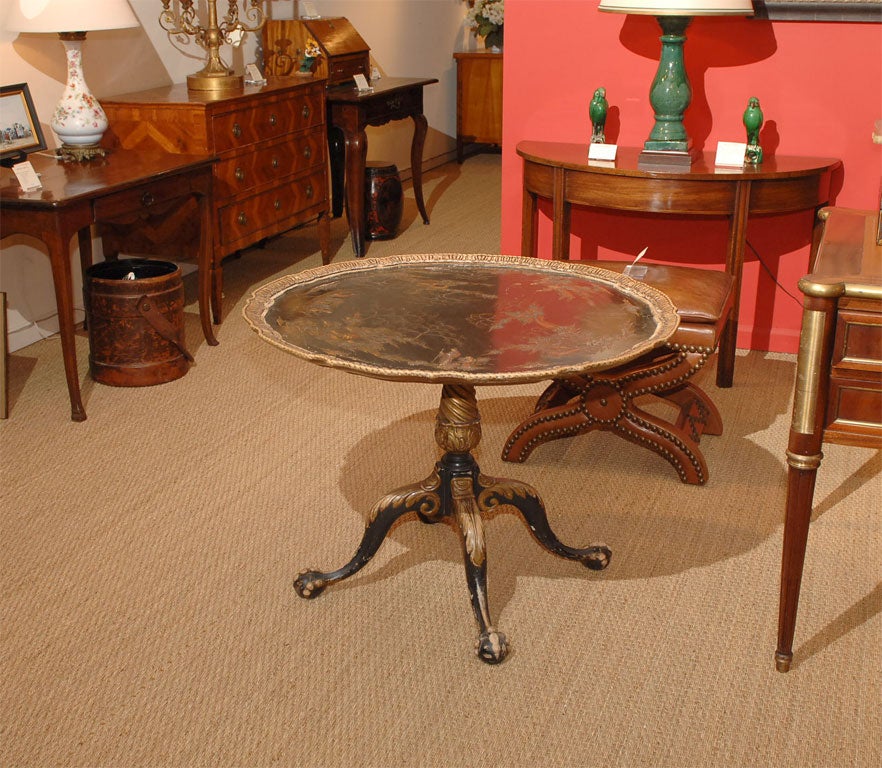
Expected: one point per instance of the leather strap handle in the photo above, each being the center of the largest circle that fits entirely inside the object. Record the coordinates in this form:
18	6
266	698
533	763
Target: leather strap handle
163	327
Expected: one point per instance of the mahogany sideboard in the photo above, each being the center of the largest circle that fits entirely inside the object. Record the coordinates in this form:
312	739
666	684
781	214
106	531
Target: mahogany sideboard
563	174
129	189
838	392
270	142
478	99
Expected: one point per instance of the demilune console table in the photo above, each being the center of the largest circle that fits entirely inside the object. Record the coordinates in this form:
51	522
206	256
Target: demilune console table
563	174
459	321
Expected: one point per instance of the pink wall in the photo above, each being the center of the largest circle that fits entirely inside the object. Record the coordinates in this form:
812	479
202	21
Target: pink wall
820	87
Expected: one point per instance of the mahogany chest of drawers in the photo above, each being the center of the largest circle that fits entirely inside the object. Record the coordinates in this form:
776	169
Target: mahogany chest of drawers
270	141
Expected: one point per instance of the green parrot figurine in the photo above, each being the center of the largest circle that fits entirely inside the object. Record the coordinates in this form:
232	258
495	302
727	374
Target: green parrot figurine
597	111
753	121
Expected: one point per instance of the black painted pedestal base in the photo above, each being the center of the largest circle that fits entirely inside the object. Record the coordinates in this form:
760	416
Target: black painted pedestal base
457	488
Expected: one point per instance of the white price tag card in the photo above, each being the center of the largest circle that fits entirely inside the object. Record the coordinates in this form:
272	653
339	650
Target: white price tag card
730	154
27	176
253	75
602	151
362	84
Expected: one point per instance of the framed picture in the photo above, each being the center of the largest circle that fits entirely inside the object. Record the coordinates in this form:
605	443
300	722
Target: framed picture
20	131
819	10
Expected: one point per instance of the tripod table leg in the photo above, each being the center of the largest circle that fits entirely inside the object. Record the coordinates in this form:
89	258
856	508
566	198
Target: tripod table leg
417	497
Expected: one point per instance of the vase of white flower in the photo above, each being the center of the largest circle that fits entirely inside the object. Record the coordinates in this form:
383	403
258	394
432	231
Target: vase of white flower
485	18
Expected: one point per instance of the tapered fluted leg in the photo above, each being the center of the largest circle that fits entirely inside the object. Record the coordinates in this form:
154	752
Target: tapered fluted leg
801	476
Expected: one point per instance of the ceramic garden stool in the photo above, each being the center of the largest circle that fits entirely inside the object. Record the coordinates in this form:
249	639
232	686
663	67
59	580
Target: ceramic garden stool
383	200
608	400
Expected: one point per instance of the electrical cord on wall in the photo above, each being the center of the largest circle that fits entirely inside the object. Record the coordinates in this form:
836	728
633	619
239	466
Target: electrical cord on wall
771	274
34	324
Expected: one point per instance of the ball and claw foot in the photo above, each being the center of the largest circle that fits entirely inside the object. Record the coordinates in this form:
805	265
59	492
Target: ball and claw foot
309	584
492	646
597	558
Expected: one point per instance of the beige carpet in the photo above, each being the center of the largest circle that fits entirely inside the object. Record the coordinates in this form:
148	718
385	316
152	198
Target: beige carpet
148	617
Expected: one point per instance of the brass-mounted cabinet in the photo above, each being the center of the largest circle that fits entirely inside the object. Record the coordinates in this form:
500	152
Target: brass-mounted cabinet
478	99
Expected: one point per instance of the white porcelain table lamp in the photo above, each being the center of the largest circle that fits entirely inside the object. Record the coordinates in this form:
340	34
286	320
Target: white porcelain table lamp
78	120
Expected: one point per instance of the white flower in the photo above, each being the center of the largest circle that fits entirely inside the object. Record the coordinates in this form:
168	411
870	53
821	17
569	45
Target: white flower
486	15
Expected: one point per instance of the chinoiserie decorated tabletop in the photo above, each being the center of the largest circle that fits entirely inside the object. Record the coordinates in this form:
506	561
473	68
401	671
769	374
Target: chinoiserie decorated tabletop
460	320
478	319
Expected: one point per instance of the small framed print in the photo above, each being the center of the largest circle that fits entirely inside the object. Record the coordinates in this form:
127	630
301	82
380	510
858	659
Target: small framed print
20	131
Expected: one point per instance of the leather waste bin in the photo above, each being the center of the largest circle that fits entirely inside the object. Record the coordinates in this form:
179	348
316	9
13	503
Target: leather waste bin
135	320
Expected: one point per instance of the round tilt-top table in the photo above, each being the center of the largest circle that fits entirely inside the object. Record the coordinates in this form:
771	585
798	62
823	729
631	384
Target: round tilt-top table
461	320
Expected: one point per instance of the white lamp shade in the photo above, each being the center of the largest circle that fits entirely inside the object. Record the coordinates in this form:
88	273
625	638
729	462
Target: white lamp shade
679	7
69	15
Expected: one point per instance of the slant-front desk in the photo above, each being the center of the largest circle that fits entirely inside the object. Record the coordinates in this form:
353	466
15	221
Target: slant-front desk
562	173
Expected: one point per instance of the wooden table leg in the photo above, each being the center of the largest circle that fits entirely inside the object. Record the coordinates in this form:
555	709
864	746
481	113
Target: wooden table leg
735	267
356	155
57	240
560	219
804	458
337	158
324	233
529	219
420	128
210	272
4	351
84	243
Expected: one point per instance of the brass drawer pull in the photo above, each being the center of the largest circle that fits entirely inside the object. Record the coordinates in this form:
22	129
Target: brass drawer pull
309	192
272	120
307	152
237	130
242	218
240	174
274	162
277	204
306	111
147	199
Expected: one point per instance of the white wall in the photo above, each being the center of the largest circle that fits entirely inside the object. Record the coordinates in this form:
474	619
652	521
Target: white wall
407	38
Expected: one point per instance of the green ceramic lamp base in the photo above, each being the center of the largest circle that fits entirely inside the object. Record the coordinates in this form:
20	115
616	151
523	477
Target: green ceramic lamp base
670	92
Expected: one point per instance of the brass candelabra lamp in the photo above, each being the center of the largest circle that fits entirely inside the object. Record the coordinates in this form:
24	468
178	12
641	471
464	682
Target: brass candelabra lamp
180	19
